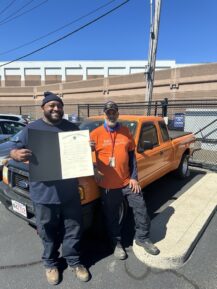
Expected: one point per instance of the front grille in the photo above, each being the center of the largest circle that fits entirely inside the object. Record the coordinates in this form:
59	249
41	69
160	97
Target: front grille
19	181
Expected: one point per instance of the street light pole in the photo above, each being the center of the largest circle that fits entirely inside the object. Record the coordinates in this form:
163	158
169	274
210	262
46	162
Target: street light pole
153	41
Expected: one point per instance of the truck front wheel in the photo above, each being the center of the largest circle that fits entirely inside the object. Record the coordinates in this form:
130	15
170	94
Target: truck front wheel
123	211
99	227
183	169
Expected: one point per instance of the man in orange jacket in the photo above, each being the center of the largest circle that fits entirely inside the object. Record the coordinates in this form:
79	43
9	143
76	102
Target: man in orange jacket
116	175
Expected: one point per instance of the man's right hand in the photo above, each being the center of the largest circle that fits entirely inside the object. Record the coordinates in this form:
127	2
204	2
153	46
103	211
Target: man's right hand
20	155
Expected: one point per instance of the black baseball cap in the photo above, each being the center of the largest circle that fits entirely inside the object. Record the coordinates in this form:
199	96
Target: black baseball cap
110	105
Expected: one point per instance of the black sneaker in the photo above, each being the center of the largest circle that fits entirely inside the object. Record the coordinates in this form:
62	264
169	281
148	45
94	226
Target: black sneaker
148	246
119	252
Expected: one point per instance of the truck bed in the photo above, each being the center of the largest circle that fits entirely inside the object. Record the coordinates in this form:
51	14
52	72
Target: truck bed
175	133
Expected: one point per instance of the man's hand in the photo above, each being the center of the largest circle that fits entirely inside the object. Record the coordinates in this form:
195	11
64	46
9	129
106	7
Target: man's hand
98	175
134	186
20	155
92	145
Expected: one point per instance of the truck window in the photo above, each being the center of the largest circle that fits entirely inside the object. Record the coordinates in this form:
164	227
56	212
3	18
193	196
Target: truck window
130	124
148	133
91	124
164	131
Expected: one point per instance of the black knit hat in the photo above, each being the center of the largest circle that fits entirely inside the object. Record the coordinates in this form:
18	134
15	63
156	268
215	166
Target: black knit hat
110	105
50	96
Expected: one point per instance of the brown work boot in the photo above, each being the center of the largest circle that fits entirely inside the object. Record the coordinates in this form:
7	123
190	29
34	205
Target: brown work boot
52	275
81	272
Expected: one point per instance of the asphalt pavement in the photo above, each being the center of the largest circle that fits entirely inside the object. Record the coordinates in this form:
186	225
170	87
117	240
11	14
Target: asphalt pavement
20	251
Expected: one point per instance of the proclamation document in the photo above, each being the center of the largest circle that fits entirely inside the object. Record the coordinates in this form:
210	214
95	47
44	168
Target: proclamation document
75	154
57	156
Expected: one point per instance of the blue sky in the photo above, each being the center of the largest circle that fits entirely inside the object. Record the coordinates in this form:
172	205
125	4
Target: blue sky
187	30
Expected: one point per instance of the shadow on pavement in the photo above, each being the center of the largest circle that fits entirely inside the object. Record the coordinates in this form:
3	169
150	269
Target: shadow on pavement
94	249
164	191
158	196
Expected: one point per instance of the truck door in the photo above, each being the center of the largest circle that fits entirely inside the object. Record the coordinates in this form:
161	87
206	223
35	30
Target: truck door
166	147
149	162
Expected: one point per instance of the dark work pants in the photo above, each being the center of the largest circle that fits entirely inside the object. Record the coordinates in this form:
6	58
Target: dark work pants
56	224
111	200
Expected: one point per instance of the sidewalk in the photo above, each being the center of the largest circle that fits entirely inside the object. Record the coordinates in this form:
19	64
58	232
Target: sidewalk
177	229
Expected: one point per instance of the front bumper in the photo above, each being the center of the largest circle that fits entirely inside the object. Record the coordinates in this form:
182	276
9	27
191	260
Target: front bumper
7	194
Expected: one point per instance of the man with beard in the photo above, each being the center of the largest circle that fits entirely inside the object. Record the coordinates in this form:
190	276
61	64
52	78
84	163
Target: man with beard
56	203
116	175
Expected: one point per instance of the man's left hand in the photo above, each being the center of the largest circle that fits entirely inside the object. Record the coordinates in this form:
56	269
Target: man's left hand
92	145
134	185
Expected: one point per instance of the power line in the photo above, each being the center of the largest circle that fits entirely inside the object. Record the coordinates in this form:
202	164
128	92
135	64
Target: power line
14	13
68	34
8	6
15	17
58	29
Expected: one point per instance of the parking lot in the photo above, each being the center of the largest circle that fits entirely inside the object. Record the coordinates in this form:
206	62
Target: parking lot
20	249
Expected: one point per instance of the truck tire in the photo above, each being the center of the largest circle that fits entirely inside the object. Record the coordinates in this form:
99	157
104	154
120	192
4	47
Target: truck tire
99	228
123	211
183	170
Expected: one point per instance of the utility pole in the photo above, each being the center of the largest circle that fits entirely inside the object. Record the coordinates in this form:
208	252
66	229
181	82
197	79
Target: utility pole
153	41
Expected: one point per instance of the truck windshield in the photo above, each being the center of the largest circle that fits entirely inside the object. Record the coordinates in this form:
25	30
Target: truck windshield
92	124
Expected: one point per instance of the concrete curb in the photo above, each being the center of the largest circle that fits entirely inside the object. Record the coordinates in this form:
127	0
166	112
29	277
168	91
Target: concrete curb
177	229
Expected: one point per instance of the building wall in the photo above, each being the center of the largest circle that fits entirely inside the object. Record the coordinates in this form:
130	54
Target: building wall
190	82
47	72
32	80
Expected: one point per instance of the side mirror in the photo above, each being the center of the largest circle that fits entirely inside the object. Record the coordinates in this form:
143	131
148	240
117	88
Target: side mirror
145	145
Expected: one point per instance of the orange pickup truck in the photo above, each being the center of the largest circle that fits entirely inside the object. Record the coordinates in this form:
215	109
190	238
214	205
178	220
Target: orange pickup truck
157	153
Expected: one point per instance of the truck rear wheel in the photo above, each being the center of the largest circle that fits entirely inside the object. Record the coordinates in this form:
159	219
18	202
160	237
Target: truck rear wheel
183	169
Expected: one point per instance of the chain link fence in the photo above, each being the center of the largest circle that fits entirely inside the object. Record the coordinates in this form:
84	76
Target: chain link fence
197	116
34	111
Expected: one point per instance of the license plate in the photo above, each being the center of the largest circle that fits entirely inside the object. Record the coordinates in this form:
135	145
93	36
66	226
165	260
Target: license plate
19	208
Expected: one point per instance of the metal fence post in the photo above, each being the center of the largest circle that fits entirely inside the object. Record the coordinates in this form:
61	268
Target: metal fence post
155	108
78	107
164	104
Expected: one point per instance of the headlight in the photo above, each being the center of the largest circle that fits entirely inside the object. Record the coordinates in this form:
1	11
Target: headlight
3	162
81	192
5	175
